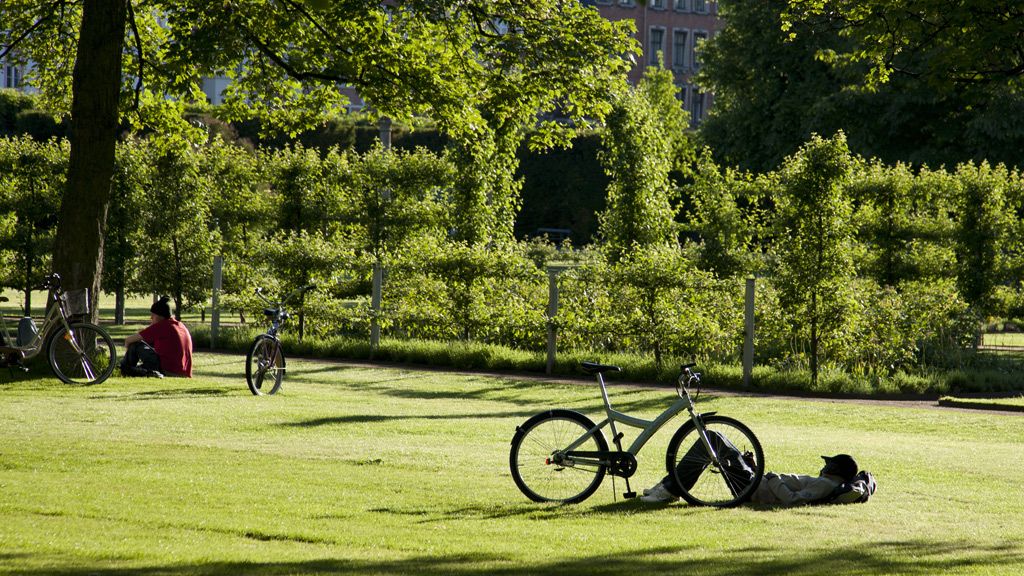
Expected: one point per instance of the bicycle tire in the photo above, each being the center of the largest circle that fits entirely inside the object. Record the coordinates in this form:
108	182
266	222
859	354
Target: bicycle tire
539	438
709	484
85	355
265	358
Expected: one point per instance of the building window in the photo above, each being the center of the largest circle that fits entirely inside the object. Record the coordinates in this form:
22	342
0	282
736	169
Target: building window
658	4
698	39
700	6
629	3
657	45
12	76
681	94
681	5
696	105
680	48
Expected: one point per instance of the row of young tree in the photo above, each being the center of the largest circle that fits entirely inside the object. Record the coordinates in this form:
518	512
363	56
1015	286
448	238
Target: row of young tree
861	266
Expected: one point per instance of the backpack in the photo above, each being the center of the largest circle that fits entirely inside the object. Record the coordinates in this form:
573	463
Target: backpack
857	490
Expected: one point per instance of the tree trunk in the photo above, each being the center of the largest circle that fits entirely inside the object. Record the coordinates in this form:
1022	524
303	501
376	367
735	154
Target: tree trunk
96	85
119	306
814	339
28	285
177	278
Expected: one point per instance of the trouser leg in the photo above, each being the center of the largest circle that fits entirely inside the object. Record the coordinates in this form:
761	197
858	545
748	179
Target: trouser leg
139	359
696	460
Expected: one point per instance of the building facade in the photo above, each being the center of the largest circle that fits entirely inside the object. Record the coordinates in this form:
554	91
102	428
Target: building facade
12	75
670	33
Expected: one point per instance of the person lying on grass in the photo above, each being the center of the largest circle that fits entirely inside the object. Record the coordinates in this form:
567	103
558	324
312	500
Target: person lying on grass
775	489
164	347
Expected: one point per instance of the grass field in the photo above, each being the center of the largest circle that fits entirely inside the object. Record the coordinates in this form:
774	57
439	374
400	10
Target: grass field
1005	339
1011	403
365	470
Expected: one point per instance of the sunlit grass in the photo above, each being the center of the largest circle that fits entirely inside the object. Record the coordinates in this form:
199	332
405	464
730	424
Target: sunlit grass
364	470
1015	403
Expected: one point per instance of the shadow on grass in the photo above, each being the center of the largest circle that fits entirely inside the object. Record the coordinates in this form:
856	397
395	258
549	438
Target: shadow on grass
904	557
373	418
170	393
536	511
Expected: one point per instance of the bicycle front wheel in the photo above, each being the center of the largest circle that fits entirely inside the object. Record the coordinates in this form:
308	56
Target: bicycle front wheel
538	467
85	354
264	366
727	480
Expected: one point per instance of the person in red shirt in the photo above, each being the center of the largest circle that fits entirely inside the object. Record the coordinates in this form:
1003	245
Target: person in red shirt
163	347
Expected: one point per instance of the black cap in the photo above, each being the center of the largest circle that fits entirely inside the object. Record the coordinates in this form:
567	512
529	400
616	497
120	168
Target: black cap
161	308
842	465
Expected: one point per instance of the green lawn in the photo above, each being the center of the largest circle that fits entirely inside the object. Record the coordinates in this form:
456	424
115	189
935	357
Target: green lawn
363	470
1014	403
1012	339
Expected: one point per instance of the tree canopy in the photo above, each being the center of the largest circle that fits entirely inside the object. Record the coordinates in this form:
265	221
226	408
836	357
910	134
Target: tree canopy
963	41
782	71
483	69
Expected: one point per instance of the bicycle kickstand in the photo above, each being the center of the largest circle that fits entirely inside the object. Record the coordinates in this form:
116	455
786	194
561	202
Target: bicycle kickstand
629	493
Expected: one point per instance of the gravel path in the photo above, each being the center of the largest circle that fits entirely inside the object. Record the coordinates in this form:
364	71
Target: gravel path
903	401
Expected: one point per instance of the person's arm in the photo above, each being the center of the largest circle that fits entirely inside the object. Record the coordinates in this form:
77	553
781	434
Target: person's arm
144	335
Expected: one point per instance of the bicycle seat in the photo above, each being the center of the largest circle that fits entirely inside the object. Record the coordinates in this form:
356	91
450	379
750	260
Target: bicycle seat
595	368
270	311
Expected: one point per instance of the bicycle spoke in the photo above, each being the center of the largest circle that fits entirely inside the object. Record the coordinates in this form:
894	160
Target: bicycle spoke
729	479
543	480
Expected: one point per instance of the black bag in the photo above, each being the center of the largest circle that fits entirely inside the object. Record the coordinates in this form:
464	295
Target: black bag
856	491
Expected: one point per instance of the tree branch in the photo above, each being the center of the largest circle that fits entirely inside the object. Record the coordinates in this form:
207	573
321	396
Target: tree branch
301	9
28	32
138	43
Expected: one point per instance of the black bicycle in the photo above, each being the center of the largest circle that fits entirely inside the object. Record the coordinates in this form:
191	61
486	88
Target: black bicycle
265	364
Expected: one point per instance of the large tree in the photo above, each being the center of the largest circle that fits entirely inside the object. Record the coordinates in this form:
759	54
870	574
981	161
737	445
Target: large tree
483	69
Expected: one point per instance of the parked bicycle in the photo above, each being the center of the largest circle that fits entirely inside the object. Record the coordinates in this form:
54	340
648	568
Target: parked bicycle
562	456
78	352
265	363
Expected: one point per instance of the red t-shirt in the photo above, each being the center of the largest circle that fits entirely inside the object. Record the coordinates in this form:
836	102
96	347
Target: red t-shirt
173	344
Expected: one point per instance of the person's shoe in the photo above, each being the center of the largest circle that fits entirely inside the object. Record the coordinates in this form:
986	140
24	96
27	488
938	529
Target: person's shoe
658	495
154	374
133	371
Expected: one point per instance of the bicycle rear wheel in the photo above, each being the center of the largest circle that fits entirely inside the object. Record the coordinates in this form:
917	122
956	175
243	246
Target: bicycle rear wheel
537	468
264	365
729	481
85	354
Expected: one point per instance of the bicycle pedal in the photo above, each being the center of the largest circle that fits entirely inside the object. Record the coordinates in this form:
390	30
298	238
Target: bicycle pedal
629	494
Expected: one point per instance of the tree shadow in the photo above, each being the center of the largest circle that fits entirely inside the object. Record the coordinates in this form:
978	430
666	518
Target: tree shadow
912	557
538	511
373	418
169	393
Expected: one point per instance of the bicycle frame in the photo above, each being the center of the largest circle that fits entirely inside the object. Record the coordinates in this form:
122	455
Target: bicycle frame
278	319
649	427
55	317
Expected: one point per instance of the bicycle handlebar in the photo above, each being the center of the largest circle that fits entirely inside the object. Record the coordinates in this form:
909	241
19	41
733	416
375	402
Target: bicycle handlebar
50	281
300	290
686	376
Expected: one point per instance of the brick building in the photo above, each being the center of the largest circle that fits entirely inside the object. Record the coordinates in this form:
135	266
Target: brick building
675	29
